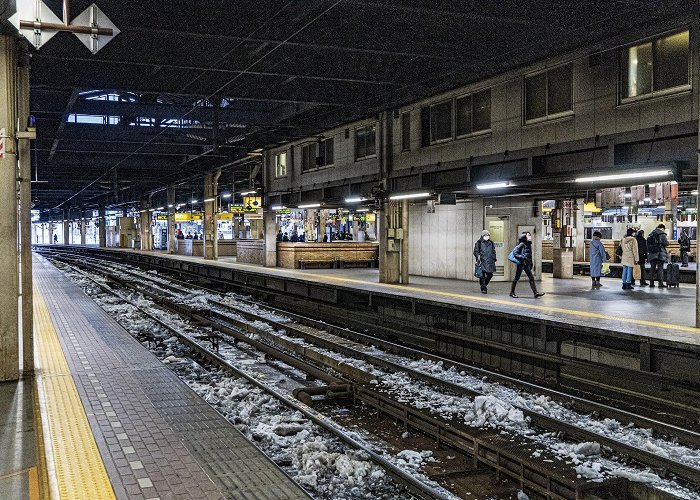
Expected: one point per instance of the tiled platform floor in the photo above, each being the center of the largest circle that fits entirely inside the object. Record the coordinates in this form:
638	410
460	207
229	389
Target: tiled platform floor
157	438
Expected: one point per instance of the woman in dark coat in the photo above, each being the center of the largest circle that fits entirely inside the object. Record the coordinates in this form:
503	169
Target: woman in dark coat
523	253
485	254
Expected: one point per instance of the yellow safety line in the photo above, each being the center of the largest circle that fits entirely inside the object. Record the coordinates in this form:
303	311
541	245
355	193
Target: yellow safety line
79	472
34	489
43	478
584	314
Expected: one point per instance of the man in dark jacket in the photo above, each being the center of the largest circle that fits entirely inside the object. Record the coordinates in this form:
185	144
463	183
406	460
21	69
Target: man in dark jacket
657	254
485	255
684	243
642	245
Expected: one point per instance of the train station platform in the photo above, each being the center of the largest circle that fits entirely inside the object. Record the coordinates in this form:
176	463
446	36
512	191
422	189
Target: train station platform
663	313
117	423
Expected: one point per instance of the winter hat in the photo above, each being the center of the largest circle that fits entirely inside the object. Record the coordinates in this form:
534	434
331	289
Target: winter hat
485	232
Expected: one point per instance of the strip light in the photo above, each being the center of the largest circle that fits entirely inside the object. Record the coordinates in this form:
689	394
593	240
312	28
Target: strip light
355	200
494	185
277	207
694	192
310	205
226	196
617	177
207	200
409	196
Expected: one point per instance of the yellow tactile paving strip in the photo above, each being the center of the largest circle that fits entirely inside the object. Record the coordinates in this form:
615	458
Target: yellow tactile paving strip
74	465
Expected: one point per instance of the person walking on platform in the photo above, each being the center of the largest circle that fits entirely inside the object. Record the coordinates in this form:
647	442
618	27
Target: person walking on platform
684	243
522	257
485	254
598	256
630	258
643	254
657	253
55	238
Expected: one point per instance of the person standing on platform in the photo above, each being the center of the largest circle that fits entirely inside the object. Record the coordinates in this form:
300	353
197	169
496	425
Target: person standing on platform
522	253
55	238
657	253
285	238
485	254
598	256
643	255
630	258
684	243
280	235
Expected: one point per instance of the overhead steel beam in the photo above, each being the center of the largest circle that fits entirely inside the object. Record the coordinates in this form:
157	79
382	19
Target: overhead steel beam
71	101
204	69
309	45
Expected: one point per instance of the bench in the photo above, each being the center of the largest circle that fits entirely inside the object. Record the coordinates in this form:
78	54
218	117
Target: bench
360	262
303	263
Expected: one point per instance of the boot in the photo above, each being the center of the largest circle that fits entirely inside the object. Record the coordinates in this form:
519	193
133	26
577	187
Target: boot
534	289
597	280
512	290
595	283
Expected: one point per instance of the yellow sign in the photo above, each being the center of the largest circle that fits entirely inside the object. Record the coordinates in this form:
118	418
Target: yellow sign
371	217
590	207
224	217
252	202
184	217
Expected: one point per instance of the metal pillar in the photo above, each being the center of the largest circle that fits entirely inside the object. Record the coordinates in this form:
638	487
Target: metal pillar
171	219
270	237
9	284
66	228
83	239
146	239
25	222
211	234
51	231
102	227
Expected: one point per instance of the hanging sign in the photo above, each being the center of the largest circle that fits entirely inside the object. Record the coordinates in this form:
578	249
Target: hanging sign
252	202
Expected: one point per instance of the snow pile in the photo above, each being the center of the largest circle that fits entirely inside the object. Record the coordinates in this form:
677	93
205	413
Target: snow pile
414	459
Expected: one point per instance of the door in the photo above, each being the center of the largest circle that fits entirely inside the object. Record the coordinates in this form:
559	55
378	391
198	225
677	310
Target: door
498	227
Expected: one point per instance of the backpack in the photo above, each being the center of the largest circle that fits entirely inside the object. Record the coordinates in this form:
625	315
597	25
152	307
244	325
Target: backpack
653	243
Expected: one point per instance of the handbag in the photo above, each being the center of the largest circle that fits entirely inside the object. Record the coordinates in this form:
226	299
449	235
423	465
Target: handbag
607	255
478	271
605	269
512	257
637	272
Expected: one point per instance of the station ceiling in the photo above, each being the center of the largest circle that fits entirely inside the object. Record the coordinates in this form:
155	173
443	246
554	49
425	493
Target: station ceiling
197	85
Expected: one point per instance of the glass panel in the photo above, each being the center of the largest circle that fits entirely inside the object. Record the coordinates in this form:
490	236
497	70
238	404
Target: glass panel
559	89
536	96
406	132
441	121
425	126
329	152
371	140
481	111
359	143
671	68
636	70
463	110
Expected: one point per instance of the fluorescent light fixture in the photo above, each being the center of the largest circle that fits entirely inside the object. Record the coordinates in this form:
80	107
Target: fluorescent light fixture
409	196
310	205
207	200
226	196
357	199
362	210
647	200
141	211
694	192
628	195
171	206
493	185
160	208
277	207
194	201
631	175
249	192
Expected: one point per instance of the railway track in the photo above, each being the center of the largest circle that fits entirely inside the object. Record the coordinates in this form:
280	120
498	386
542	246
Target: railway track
322	343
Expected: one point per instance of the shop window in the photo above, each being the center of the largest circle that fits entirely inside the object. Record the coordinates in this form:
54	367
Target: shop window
280	165
365	141
549	94
406	132
308	157
441	121
659	66
473	113
325	153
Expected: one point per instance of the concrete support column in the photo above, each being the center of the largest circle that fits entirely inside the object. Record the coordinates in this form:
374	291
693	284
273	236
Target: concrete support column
270	237
404	242
211	235
146	238
51	231
171	219
388	221
82	231
562	251
9	284
66	229
25	217
102	227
